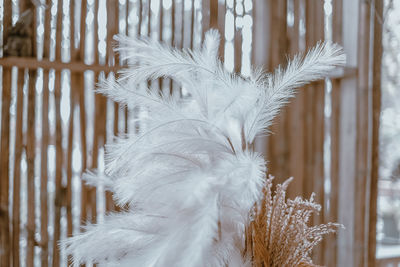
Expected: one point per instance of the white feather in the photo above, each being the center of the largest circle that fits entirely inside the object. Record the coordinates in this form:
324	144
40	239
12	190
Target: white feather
189	180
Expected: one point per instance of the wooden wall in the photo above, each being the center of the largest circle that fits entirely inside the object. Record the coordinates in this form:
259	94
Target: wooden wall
326	138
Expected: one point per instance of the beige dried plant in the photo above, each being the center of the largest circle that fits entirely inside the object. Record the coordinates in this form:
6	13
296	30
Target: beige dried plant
279	233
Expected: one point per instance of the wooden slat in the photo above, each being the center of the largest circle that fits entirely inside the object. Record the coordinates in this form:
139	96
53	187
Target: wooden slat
347	137
44	173
98	105
58	200
331	240
74	66
376	111
214	14
17	169
4	148
68	200
140	15
192	18
82	110
80	67
44	145
149	17
4	170
278	142
59	164
73	87
182	41
30	158
363	135
112	29
31	150
296	115
221	27
332	216
173	39
314	128
237	41
205	17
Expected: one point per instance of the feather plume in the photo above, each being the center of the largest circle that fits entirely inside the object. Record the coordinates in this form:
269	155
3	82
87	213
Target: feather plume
189	180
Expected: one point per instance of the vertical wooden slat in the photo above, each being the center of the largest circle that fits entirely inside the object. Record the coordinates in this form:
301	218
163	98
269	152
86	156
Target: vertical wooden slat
30	151
221	27
17	168
296	115
205	16
376	111
278	141
363	135
140	15
160	35
82	111
182	43
5	143
332	216
4	146
237	40
30	158
149	17
348	137
59	150
214	14
73	87
192	18
68	200
314	127
125	108
98	107
44	144
161	20
173	10
173	26
112	29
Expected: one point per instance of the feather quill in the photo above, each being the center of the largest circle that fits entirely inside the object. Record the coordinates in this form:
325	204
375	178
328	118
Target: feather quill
189	180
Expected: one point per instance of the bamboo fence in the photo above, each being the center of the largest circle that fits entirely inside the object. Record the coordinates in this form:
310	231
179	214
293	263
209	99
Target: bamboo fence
53	126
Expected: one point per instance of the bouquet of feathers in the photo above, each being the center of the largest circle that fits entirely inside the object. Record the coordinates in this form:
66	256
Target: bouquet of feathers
191	185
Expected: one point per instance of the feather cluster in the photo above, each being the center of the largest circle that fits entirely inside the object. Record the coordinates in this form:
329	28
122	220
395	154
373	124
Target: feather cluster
189	180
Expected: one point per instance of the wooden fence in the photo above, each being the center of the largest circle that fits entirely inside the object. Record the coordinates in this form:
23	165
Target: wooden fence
53	127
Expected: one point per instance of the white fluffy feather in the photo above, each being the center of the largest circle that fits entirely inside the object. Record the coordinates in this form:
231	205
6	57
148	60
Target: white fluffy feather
189	180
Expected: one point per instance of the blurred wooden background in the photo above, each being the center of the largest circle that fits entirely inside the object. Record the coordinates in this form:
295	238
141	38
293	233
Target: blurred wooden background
53	127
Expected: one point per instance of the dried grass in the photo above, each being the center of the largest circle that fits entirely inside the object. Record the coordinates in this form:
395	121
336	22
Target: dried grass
279	233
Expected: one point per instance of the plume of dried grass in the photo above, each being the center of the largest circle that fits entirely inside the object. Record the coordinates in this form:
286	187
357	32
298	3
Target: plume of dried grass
279	233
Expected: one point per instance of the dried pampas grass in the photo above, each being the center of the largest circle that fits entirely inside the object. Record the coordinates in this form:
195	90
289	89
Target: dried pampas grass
279	233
